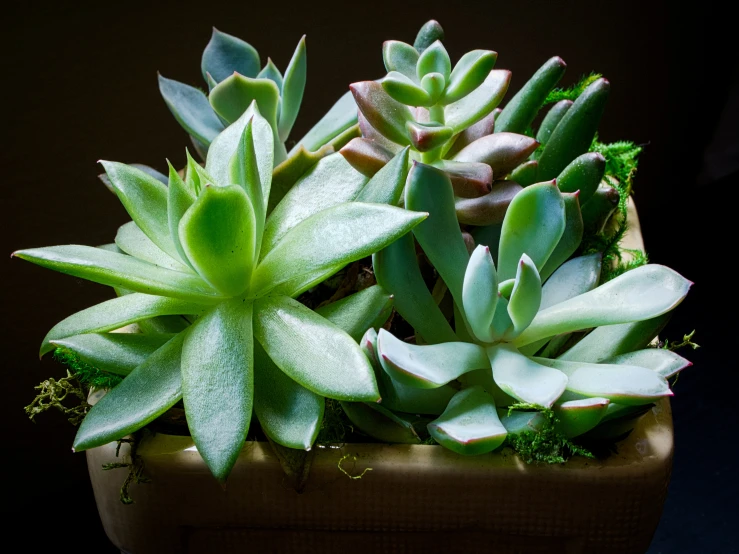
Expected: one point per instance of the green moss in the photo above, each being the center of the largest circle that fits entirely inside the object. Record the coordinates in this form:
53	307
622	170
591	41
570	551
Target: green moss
85	373
676	345
573	92
53	393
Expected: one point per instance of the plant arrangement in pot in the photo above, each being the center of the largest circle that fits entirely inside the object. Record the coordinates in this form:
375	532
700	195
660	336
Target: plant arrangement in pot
421	262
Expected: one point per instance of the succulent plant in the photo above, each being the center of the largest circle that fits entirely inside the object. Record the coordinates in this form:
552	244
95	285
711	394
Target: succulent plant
204	249
513	308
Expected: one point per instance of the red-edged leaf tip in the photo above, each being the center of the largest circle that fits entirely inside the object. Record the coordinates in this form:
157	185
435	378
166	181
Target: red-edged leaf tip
576	193
553	182
379	400
559	61
487	249
73	450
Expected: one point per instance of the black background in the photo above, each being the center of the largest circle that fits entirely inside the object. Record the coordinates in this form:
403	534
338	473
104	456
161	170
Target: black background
79	84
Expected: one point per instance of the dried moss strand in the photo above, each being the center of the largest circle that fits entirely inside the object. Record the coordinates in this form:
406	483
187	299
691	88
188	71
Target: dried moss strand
53	393
135	469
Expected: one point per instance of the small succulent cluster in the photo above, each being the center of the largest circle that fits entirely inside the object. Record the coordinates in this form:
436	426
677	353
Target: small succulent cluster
489	294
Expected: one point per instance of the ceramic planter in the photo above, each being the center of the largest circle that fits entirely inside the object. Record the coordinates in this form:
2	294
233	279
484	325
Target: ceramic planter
416	498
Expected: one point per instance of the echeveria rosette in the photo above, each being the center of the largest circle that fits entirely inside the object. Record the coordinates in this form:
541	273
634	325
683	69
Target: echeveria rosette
198	248
506	314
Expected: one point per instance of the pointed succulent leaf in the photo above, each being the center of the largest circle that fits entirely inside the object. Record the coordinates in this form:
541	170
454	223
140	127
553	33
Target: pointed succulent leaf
482	128
384	113
117	353
401	58
191	109
541	203
571	236
295	338
427	136
521	110
145	394
480	293
195	176
434	59
232	96
289	414
382	424
292	90
180	196
405	91
369	132
524	378
429	33
145	168
525	298
583	174
226	54
328	183
132	240
501	151
327	240
469	73
218	235
366	156
624	384
120	270
360	311
145	200
550	121
433	84
269	71
470	424
480	102
576	417
490	208
642	293
573	278
526	174
663	362
469	179
386	186
575	132
218	383
597	211
291	170
429	189
341	116
396	269
116	313
429	366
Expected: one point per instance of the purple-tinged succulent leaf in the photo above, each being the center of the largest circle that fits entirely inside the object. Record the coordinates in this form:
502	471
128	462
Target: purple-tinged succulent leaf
573	278
660	360
291	170
191	109
405	91
470	425
490	208
384	114
434	59
503	152
542	203
341	116
576	417
524	378
482	128
386	187
526	174
226	54
469	73
369	132
469	179
427	136
132	240
360	311
366	156
480	102
382	424
428	366
480	293
525	298
232	96
269	71
583	174
400	57
292	90
571	237
597	211
295	338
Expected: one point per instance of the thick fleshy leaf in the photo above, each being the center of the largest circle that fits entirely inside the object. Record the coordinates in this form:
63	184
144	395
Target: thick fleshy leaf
180	196
117	353
218	383
116	313
226	54
480	293
430	190
470	424
480	102
542	203
501	151
642	293
489	209
232	96
288	172
579	416
218	235
269	71
429	33
624	384
664	362
330	182
360	311
427	136
524	378
405	90
366	156
400	57
525	298
484	379
386	115
597	211
386	186
583	174
316	247
132	240
369	132
526	174
550	121
469	73
517	422
191	109
295	338
574	134
571	237
145	200
146	393
573	278
396	269
119	270
341	116
292	90
382	424
195	176
482	128
521	110
289	414
469	179
429	366
143	167
434	59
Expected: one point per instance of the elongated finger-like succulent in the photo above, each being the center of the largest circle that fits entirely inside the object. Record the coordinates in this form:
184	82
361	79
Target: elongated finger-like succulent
203	249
